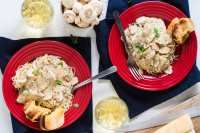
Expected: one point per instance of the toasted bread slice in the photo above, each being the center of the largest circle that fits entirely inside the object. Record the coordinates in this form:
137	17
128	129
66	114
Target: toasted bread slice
180	29
54	120
171	26
34	112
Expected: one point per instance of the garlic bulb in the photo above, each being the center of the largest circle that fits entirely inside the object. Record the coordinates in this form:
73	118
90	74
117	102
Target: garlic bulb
97	6
68	4
77	7
87	14
69	16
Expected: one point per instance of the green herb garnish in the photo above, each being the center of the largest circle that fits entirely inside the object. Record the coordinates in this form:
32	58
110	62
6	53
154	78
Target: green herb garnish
156	32
74	40
58	82
140	47
36	72
137	24
61	64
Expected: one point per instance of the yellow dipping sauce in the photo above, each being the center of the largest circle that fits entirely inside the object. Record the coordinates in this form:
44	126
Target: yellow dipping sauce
111	113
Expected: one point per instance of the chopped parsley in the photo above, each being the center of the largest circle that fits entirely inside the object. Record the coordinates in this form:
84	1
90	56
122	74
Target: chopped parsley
61	64
58	82
156	32
36	72
138	25
140	47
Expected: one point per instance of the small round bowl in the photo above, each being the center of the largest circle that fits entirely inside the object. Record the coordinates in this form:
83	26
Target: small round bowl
73	25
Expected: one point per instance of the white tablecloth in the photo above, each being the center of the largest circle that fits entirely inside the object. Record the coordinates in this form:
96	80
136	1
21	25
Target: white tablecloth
11	26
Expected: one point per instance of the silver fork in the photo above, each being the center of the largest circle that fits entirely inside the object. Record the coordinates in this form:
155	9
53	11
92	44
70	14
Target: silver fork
136	74
102	74
131	65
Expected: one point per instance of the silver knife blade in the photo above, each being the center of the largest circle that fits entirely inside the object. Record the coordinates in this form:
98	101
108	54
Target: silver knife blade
159	119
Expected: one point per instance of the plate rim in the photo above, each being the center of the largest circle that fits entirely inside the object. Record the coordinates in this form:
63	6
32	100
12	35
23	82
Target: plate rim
145	88
55	43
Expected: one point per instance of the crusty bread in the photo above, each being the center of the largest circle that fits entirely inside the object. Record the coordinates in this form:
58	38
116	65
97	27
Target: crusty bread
54	120
180	29
172	24
34	112
181	125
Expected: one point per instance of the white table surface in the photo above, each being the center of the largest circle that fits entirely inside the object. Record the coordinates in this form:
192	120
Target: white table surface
11	26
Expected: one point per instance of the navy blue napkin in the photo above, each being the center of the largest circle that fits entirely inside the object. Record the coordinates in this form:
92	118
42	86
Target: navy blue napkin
137	100
82	45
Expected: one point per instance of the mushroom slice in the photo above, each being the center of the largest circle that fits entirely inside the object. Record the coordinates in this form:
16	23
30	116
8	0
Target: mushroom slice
87	15
54	120
68	4
34	112
164	50
154	46
69	16
97	6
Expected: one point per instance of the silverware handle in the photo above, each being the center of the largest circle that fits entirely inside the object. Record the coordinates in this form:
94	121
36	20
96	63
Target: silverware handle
121	29
100	75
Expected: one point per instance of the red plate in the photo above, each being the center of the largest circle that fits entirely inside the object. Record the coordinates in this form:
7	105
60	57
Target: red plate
181	67
29	53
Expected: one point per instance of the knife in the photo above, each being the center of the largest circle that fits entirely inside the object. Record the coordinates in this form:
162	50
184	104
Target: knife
159	119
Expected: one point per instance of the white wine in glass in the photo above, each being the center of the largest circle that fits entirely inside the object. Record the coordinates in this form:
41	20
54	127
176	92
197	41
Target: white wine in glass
37	13
111	113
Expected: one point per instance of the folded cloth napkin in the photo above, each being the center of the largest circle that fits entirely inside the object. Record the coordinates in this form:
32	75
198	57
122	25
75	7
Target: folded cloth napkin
82	45
137	100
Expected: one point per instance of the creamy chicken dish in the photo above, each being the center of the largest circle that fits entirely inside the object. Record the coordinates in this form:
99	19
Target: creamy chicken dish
47	80
151	46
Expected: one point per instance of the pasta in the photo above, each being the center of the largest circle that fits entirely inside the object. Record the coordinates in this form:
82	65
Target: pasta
48	80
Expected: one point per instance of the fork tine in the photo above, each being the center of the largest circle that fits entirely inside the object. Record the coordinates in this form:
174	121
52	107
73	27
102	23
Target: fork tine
133	73
136	71
139	74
